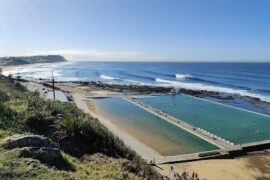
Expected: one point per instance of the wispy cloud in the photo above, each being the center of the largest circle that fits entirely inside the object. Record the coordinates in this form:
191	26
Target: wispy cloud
90	54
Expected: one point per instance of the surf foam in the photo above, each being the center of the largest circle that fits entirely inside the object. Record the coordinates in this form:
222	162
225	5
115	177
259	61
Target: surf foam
183	76
102	76
198	86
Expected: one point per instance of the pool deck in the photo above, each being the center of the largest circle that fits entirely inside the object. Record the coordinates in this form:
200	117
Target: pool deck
211	138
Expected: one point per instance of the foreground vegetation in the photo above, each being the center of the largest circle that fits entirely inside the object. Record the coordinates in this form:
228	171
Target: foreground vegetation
79	135
97	166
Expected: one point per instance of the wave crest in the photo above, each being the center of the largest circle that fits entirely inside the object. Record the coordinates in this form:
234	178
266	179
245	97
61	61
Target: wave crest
183	76
102	76
198	86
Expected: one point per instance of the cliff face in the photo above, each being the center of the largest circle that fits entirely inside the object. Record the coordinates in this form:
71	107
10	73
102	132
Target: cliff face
4	61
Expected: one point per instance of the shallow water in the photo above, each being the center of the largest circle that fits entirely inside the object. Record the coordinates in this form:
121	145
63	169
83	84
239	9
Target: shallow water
236	125
157	133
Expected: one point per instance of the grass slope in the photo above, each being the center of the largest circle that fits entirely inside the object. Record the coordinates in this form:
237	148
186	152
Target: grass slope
12	166
80	137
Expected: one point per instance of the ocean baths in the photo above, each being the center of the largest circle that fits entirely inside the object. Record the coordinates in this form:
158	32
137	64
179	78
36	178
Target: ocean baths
232	124
160	135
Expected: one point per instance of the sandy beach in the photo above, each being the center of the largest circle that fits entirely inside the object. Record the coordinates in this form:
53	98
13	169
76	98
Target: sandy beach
243	168
12	67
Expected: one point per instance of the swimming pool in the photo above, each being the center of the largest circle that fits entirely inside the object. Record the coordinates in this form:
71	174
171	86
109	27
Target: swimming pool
236	125
160	135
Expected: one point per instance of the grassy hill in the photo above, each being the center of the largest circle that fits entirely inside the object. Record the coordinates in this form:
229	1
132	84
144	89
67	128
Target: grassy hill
88	146
4	61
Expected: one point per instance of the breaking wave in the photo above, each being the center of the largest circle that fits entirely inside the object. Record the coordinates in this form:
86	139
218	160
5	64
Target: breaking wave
199	86
183	76
121	81
102	76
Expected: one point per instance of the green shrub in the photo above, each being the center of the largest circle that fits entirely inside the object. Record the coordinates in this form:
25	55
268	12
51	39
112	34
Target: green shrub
76	132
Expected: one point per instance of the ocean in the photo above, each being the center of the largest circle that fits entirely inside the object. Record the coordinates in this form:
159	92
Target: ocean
246	79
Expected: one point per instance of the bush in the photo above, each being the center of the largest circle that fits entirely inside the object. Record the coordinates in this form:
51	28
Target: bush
40	123
76	132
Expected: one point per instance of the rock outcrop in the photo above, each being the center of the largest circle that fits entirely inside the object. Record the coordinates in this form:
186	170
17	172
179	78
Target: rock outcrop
38	147
49	156
19	141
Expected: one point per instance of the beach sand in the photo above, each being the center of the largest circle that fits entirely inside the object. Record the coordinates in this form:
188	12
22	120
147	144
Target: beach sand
12	67
92	106
243	168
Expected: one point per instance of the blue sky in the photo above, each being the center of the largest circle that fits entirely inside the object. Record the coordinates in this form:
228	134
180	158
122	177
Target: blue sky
184	30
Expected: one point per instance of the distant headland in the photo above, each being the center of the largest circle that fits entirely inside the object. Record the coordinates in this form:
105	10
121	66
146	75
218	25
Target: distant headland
20	60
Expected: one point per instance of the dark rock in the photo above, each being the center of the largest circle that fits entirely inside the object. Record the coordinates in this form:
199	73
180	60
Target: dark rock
31	164
38	147
203	93
44	154
191	92
19	141
47	155
142	89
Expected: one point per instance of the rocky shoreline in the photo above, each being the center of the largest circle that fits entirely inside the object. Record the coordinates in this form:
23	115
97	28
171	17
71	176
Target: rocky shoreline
250	103
246	102
121	88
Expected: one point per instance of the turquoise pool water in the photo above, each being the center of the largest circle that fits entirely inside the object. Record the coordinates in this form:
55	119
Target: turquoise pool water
160	135
236	125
